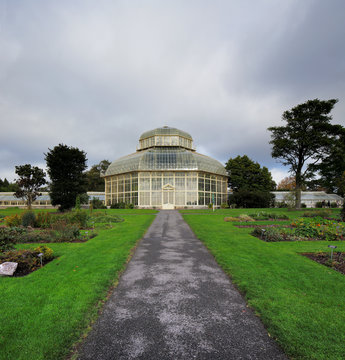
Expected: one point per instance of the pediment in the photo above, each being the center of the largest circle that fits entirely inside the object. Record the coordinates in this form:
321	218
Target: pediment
168	187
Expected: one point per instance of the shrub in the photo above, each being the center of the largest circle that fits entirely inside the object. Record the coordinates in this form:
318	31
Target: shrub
79	218
65	232
120	205
13	220
210	206
8	238
28	219
35	237
325	213
240	218
27	259
129	206
46	251
97	204
224	206
303	205
43	220
282	204
274	234
252	199
262	215
334	205
319	204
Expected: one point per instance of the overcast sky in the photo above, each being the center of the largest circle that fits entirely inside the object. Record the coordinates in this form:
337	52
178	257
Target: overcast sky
97	74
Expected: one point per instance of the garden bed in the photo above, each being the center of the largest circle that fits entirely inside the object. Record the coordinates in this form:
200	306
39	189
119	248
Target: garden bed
263	226
337	263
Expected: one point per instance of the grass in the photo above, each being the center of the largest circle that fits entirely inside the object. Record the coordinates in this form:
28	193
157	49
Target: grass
44	313
301	302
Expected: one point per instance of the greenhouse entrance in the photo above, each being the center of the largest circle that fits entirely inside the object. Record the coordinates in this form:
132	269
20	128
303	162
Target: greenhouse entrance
168	198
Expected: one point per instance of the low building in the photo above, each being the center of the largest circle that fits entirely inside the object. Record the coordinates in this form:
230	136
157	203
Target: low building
309	198
7	199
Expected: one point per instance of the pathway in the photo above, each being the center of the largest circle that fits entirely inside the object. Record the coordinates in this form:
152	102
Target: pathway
174	302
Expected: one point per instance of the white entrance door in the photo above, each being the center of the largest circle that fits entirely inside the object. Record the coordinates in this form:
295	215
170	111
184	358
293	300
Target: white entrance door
168	198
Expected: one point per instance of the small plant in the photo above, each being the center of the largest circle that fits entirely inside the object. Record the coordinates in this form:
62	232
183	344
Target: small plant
324	213
46	251
120	205
8	238
274	234
240	218
65	232
43	220
97	204
28	219
210	205
13	220
28	260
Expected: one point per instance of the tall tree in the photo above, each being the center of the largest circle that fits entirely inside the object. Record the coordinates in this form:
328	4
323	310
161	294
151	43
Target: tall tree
332	167
304	140
66	166
245	174
31	179
94	180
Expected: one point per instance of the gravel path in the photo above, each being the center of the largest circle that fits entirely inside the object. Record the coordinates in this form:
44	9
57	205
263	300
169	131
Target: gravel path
174	302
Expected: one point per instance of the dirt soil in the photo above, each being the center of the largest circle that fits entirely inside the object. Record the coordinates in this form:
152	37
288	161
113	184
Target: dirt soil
338	262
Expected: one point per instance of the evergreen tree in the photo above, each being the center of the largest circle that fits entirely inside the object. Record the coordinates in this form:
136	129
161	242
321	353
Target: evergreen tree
245	174
304	140
66	166
94	180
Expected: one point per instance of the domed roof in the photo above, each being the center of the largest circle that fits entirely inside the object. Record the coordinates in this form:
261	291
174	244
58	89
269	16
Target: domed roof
165	159
165	130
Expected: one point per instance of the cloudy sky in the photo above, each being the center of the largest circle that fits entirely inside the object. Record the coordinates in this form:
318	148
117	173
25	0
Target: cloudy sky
97	74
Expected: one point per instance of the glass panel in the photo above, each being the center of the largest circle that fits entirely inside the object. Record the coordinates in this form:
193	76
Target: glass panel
201	184
213	185
128	185
201	198
180	183
192	198
191	183
180	198
144	184
207	184
207	198
156	198
120	185
144	198
156	183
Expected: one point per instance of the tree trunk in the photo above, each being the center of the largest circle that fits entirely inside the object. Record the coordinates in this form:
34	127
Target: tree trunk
298	189
298	197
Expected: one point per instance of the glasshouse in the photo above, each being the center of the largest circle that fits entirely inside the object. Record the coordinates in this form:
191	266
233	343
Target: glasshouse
166	172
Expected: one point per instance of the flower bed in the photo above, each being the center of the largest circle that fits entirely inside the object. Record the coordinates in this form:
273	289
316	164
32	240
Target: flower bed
337	263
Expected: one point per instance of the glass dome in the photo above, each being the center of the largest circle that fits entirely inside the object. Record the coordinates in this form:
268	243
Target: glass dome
165	136
165	159
166	172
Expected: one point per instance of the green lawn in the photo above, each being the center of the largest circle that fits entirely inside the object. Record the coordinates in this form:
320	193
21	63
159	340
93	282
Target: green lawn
44	313
301	302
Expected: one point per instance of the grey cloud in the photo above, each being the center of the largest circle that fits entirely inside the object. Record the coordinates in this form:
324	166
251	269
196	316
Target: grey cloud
98	75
